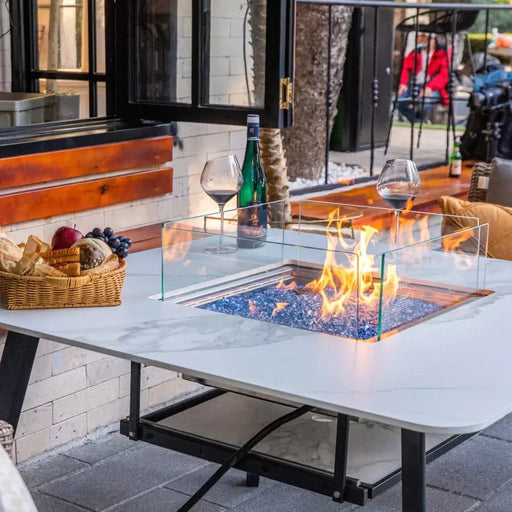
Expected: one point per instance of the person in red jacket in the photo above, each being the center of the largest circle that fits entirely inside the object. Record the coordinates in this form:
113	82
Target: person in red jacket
431	67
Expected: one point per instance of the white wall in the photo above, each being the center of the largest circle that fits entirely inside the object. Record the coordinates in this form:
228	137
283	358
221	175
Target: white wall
5	49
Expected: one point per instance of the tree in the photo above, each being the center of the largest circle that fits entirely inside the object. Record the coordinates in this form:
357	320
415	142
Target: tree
305	141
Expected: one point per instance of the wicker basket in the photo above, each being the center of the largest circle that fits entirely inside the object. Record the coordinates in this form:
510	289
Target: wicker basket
6	436
479	182
28	292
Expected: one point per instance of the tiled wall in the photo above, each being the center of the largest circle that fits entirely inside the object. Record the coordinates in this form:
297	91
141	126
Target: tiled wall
74	391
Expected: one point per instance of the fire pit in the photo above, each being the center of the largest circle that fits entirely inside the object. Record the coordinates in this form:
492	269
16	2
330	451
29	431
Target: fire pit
363	287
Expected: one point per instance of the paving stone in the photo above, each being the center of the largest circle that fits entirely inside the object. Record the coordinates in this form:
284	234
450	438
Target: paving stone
437	501
97	450
500	502
120	477
49	469
163	500
501	429
46	503
285	498
475	468
229	491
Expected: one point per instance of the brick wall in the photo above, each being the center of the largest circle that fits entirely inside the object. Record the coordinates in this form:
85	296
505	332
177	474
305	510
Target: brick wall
73	391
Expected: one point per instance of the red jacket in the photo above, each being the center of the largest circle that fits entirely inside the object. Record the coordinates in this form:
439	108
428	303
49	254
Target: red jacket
437	72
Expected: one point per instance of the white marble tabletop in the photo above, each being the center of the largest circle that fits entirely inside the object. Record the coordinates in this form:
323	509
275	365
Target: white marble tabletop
449	374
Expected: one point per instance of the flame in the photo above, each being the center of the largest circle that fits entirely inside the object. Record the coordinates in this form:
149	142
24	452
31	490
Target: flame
346	181
338	283
176	242
370	200
252	307
282	286
452	244
279	306
408	206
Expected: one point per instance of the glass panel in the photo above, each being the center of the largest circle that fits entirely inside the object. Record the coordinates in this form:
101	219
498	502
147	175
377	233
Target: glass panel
237	53
62	34
71	100
332	275
163	50
102	99
100	36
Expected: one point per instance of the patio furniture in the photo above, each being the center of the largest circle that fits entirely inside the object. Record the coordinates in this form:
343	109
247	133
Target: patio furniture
492	182
445	23
6	437
400	382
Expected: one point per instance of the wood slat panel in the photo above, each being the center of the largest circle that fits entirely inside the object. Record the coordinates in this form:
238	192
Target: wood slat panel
58	200
71	163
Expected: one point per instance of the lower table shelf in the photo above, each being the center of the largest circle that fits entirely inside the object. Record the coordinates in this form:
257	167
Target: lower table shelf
215	424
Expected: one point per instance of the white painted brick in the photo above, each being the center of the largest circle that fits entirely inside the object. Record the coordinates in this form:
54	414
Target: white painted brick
219	99
34	420
205	143
239	99
237	67
73	357
235	8
55	387
187	27
34	444
132	215
188	130
106	369
226	47
151	376
107	413
186	166
230	84
236	28
48	346
184	47
41	369
186	68
83	401
220	27
166	391
219	66
184	8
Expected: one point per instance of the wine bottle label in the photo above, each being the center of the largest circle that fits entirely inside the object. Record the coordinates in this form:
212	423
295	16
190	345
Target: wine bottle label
252	225
456	168
253	131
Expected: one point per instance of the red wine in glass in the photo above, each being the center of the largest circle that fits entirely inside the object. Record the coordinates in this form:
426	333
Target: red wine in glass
221	179
398	183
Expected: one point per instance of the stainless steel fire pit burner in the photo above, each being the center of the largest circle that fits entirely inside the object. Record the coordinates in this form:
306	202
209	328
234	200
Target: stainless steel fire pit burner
255	295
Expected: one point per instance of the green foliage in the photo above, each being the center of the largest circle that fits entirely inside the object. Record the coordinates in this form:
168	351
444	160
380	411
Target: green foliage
501	19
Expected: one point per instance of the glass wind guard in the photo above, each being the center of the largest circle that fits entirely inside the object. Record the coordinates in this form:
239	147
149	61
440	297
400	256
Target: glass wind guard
344	273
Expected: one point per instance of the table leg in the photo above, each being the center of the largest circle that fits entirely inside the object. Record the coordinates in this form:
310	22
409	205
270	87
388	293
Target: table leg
133	422
341	458
15	368
413	471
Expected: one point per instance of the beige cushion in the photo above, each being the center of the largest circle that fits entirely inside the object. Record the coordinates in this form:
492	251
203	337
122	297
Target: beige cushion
498	217
500	182
14	495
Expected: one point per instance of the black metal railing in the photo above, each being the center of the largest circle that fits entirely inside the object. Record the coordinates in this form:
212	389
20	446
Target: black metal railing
452	23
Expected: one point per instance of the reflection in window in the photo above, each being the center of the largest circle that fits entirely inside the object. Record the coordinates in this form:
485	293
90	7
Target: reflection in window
62	35
237	52
164	51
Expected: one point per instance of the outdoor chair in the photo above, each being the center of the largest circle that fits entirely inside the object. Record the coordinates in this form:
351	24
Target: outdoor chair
446	23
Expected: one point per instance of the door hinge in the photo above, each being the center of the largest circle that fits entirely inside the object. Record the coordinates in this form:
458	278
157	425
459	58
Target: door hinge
285	93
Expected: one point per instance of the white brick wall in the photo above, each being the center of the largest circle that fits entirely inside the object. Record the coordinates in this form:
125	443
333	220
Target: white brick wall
5	49
73	391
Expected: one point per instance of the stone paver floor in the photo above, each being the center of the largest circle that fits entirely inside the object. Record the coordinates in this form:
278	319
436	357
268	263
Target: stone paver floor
111	473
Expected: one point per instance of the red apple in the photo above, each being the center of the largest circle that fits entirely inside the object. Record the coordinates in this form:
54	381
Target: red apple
65	237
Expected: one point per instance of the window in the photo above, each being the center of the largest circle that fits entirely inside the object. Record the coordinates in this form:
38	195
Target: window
205	60
62	52
209	61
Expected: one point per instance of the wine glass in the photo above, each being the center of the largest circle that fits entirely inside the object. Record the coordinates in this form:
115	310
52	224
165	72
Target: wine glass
398	183
221	179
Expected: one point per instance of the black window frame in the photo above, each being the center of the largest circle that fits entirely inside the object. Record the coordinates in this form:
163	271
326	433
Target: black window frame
278	66
25	57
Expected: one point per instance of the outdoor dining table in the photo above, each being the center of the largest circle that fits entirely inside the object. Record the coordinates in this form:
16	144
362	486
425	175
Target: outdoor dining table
446	376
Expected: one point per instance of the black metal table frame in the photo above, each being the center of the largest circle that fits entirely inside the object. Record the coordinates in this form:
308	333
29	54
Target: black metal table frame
16	366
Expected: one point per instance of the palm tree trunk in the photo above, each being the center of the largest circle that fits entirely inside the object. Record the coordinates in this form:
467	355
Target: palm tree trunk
305	141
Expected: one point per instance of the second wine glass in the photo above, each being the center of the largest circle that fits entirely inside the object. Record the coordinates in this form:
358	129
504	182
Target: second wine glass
398	183
221	179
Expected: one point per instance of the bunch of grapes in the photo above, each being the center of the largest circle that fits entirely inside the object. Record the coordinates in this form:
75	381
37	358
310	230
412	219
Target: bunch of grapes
119	244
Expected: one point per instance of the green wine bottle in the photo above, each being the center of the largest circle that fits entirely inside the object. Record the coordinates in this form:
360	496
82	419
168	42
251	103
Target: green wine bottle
252	197
455	161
